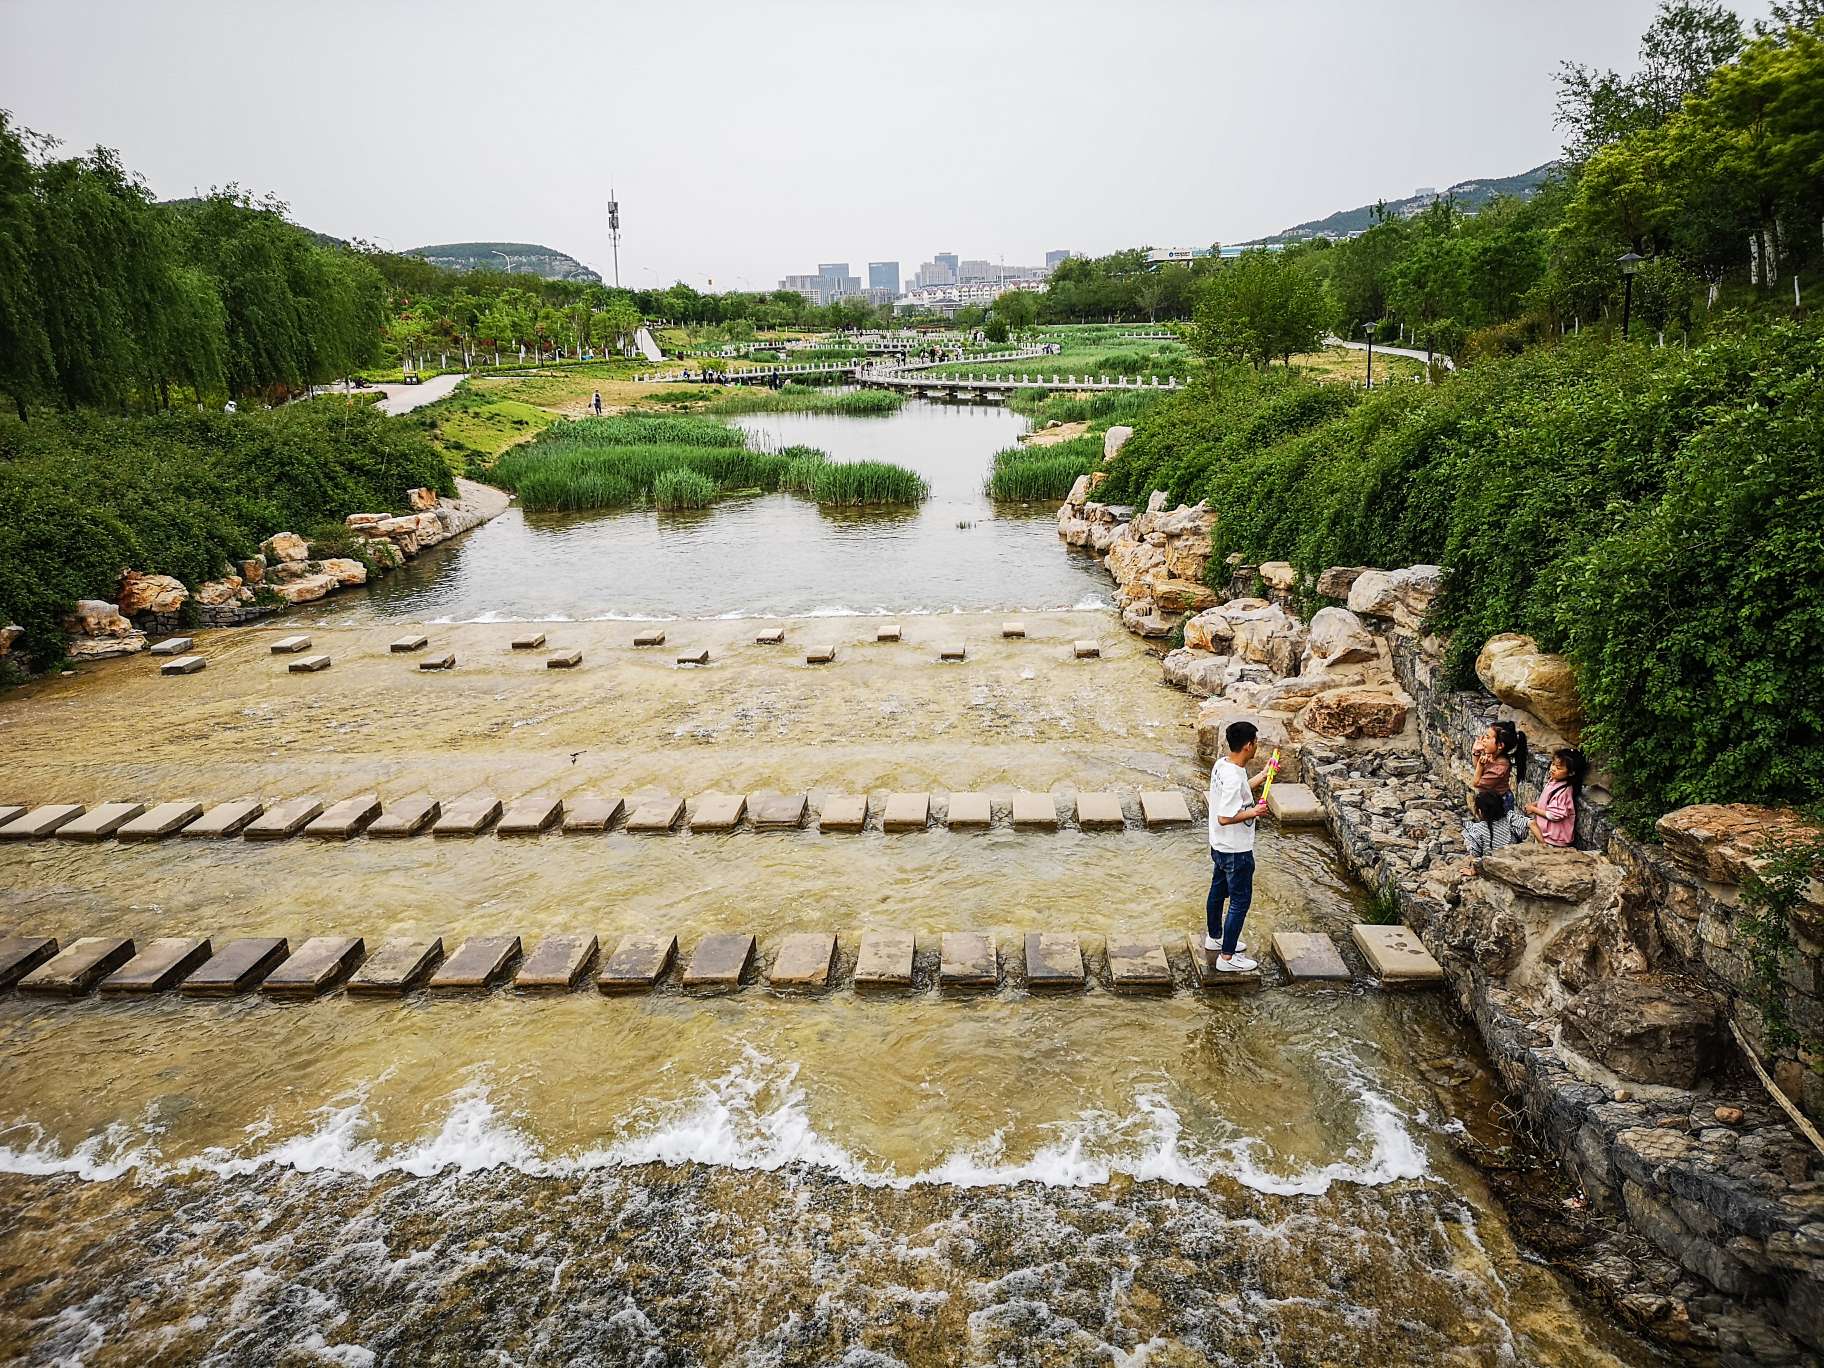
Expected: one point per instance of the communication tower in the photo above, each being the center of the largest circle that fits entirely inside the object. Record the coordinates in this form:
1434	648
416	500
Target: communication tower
614	235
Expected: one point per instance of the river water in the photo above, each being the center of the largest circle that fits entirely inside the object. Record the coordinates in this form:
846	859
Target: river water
757	1177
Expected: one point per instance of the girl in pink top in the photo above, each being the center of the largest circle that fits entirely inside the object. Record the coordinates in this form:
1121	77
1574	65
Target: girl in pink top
1555	814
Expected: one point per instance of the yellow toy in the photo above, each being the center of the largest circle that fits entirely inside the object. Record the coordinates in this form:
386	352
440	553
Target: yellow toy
1272	774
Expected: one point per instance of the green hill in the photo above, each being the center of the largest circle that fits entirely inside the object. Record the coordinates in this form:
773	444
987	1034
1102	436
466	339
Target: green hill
1470	195
515	258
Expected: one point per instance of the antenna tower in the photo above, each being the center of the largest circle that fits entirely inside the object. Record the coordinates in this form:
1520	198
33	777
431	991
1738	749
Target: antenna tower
614	234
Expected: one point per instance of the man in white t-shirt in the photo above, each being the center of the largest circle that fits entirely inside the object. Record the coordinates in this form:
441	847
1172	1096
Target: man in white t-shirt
1233	812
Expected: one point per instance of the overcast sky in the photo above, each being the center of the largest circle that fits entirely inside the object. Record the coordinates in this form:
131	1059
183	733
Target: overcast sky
751	140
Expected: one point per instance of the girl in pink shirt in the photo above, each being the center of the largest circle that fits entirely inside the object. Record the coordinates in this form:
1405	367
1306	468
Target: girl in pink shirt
1555	814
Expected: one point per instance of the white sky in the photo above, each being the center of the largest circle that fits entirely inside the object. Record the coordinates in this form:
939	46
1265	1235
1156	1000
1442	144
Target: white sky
751	140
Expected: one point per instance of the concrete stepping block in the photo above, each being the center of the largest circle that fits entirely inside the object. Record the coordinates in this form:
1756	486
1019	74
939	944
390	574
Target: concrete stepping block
906	812
226	819
1086	649
954	651
530	641
638	962
1295	805
969	812
479	963
237	966
183	665
284	820
290	645
1100	812
1396	955
843	812
315	967
160	821
406	817
162	963
530	816
1139	966
655	815
1205	972
99	823
806	959
310	664
8	811
695	657
79	966
564	660
820	655
887	631
406	644
172	646
346	819
968	959
397	967
1054	959
40	822
592	816
1165	808
556	963
1013	631
1035	811
717	811
446	661
719	961
778	812
772	636
1309	955
655	637
885	959
468	816
19	955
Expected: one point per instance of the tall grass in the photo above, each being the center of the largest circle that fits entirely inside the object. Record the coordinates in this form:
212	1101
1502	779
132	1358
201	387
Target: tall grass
804	399
633	429
854	483
1106	407
1042	474
680	487
802	463
563	473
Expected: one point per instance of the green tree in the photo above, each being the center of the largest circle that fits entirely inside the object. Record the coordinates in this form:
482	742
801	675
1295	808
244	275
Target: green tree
1018	309
1259	306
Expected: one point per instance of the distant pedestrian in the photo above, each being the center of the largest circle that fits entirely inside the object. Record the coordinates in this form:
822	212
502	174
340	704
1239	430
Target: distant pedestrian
1233	811
597	402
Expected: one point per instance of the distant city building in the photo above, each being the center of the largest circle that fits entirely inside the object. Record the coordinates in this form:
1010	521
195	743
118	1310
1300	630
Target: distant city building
831	283
974	272
883	275
947	299
1052	259
948	261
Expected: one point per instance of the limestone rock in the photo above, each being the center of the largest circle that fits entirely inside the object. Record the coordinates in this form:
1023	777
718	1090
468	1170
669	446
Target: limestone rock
219	593
1194	520
1336	582
1516	671
385	554
1279	575
1104	535
1337	637
141	593
346	570
305	589
1269	636
124	643
421	499
285	546
1651	1028
1144	619
1181	596
1718	842
1349	714
1275	730
96	618
1186	557
1402	595
1113	440
1196	672
253	570
1130	560
1078	492
8	635
1543	871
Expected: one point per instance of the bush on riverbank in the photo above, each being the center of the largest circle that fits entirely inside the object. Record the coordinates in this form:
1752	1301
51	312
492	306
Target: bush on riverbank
83	497
1029	474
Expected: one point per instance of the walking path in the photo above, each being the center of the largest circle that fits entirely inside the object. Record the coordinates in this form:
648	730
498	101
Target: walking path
1413	352
405	398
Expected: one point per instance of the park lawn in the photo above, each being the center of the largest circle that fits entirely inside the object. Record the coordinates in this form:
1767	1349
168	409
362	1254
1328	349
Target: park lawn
1341	364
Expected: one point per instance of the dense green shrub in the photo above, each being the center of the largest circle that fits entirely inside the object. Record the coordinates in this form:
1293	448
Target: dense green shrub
1030	474
683	488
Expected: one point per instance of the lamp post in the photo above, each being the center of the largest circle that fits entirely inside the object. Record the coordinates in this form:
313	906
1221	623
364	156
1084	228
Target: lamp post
1368	332
1630	263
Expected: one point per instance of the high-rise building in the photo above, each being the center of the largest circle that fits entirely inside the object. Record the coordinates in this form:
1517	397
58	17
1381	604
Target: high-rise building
1053	258
837	282
948	261
883	275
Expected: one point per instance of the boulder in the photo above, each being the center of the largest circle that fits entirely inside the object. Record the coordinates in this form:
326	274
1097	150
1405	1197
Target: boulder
1295	691
1275	731
1187	556
1543	871
357	521
1336	582
346	569
421	499
1196	672
385	555
1104	535
1279	575
1402	595
1651	1028
106	647
1719	842
218	593
1113	440
141	593
1353	713
96	618
1268	636
253	570
8	635
285	546
1079	492
1516	671
305	589
1337	637
290	570
1181	596
1076	531
1184	520
1142	617
1130	560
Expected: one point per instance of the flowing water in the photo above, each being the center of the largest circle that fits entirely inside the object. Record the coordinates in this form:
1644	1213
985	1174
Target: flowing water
755	1177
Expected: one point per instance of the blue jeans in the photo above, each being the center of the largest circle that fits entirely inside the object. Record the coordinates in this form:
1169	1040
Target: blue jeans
1232	878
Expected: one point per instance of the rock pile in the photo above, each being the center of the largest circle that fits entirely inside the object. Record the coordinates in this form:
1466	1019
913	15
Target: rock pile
1157	557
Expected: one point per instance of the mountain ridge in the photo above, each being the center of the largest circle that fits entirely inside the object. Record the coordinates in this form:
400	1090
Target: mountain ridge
1469	195
514	258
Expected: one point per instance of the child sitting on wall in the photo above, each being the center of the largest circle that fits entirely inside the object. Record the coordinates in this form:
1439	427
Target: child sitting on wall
1499	755
1494	828
1555	814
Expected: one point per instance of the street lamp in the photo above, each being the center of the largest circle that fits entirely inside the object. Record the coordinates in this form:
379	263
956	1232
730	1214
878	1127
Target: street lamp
1630	263
1368	332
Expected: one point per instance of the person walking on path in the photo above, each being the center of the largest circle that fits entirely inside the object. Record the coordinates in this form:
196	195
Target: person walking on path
598	403
1233	811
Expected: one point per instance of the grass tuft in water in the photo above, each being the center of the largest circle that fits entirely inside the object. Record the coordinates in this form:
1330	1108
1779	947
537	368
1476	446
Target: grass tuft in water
683	488
1029	474
855	483
614	462
802	463
804	399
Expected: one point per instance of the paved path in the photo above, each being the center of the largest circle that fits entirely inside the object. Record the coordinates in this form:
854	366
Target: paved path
1412	352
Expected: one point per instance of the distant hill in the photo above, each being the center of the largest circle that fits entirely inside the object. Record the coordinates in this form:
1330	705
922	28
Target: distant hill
1470	195
516	258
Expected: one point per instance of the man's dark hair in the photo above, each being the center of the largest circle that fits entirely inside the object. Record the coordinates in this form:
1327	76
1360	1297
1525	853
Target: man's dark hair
1239	734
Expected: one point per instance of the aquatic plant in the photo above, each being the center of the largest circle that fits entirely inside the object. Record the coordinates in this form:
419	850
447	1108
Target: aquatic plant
855	483
1033	474
635	429
569	476
681	487
802	463
804	399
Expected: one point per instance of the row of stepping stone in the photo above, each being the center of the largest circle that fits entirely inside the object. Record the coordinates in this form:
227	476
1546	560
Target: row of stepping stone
804	960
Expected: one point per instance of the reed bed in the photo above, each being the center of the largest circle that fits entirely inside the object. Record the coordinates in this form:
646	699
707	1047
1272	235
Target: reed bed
805	399
570	476
857	483
802	465
1105	407
1042	474
635	429
681	487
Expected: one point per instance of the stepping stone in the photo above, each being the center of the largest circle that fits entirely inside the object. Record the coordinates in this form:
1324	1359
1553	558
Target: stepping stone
446	661
309	664
406	644
806	959
162	964
1139	966
1309	955
969	959
593	815
885	959
564	660
656	814
970	812
887	631
468	816
19	955
772	636
638	962
1054	959
8	811
406	817
1100	812
906	812
237	966
1035	810
556	962
1164	808
778	812
695	657
1396	955
717	811
285	820
820	655
347	818
477	964
315	967
529	642
530	816
99	823
290	645
158	822
1295	805
172	646
1013	631
397	967
719	961
79	966
843	812
954	651
1207	975
1086	650
183	665
226	819
651	638
40	821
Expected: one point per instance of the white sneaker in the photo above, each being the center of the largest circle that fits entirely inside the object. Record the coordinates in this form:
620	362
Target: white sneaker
1236	964
1214	946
